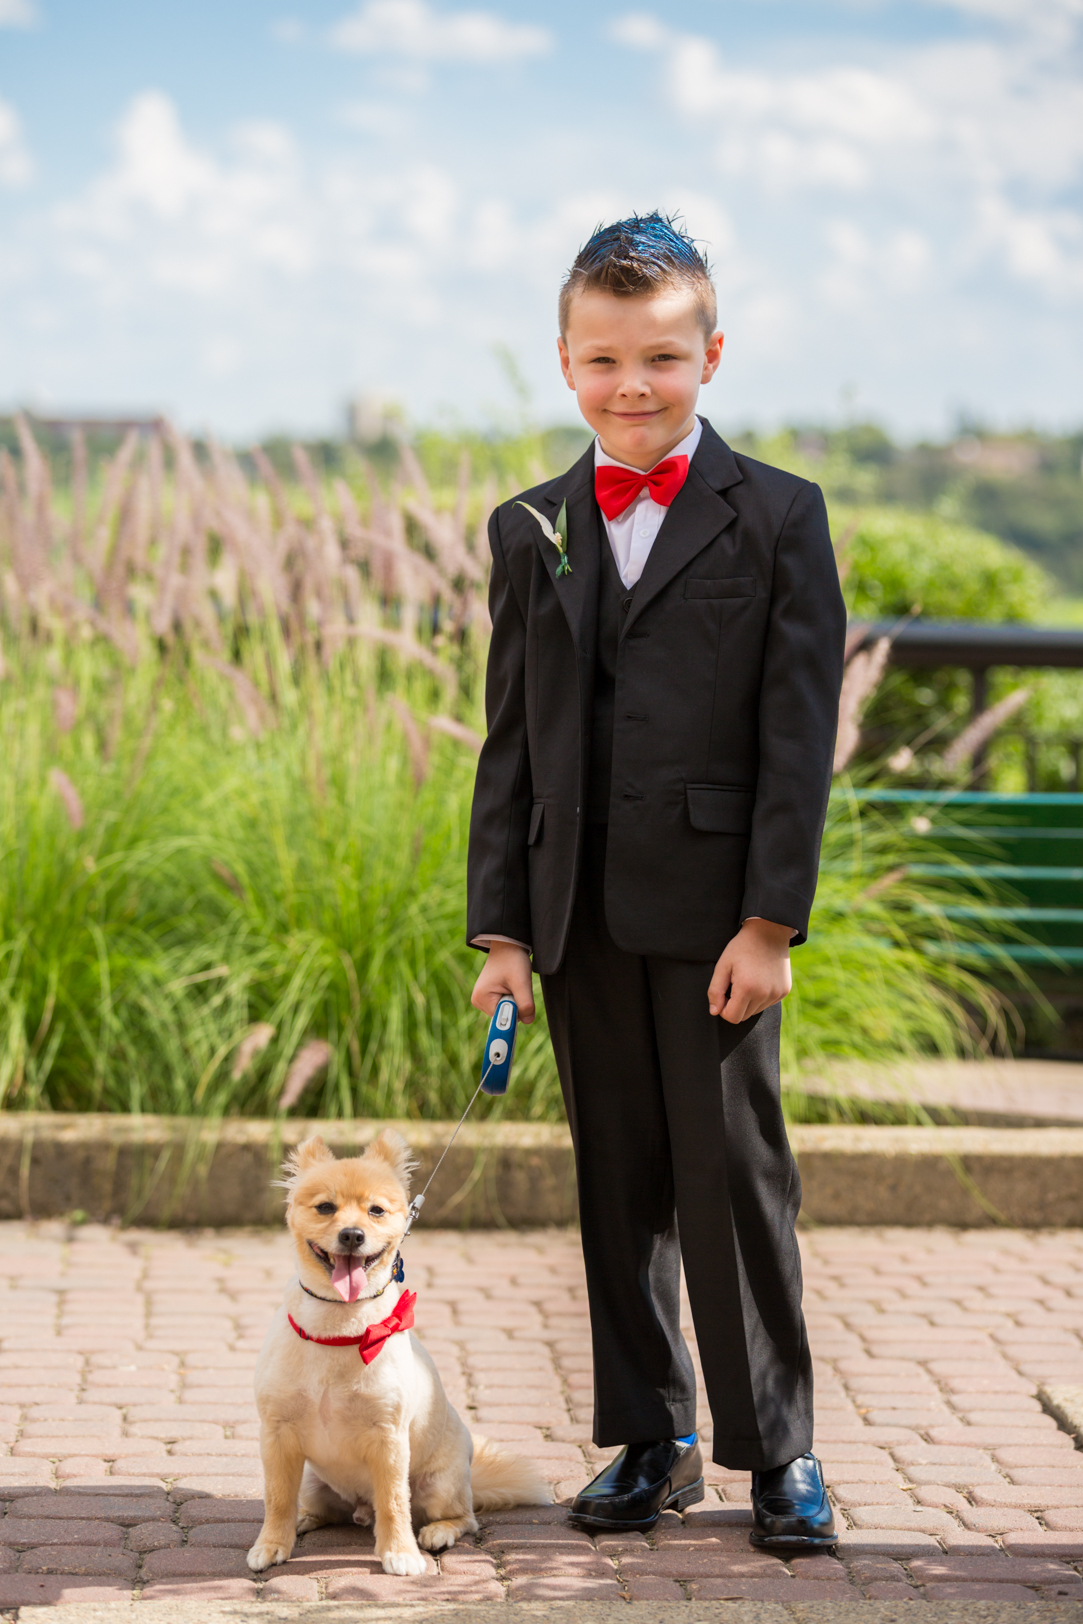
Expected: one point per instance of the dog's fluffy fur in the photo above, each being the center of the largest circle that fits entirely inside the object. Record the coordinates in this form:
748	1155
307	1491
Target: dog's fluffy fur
342	1440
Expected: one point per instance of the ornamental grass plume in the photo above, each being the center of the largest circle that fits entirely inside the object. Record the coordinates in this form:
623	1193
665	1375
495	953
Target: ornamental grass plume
416	742
307	1064
68	793
167	541
253	1043
251	703
981	729
860	681
65	708
457	730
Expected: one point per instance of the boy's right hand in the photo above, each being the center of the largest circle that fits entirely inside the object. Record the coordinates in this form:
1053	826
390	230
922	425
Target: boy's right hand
506	974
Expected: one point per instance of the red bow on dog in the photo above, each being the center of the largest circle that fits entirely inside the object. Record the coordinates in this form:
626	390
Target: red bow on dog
372	1339
617	488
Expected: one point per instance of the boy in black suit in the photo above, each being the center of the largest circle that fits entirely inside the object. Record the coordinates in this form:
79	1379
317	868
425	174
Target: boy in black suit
662	697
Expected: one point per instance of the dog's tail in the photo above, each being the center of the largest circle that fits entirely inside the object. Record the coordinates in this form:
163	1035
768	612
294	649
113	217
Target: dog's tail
500	1480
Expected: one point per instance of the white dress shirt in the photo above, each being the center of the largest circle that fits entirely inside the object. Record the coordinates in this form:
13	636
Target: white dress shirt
632	534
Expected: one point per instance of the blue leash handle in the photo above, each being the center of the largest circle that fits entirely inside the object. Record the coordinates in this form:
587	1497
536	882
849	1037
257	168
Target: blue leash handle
500	1048
495	1072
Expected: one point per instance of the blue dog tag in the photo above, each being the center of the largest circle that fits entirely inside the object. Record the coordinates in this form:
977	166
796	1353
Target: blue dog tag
499	1048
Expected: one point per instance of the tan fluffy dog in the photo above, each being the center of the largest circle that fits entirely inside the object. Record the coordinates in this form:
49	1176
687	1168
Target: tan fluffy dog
343	1440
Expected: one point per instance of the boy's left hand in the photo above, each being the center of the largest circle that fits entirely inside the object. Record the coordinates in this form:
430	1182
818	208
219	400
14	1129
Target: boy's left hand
753	972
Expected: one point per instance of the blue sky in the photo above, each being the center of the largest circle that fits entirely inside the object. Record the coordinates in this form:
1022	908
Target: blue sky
243	213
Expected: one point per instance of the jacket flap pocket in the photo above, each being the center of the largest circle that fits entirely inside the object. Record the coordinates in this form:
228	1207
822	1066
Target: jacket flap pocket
718	810
722	586
537	817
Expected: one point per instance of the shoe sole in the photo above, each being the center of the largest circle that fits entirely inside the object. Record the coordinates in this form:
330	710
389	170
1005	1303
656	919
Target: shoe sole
680	1500
820	1540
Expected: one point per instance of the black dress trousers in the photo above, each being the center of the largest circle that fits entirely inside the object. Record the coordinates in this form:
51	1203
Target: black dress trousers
677	1123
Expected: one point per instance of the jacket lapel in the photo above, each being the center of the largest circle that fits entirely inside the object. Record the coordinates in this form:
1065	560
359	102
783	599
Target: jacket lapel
578	590
698	513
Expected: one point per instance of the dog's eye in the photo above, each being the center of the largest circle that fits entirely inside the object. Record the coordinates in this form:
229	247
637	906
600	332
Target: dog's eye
327	1208
376	1212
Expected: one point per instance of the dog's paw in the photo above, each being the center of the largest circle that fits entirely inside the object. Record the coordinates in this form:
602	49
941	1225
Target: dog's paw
439	1536
309	1520
266	1552
404	1563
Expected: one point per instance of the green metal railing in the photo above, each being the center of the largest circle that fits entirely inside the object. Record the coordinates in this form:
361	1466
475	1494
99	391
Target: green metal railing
1033	843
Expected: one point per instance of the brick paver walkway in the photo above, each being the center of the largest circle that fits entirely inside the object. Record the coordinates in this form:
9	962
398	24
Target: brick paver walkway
131	1460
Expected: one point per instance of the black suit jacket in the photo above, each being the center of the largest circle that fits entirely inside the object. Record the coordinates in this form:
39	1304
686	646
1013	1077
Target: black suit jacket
728	674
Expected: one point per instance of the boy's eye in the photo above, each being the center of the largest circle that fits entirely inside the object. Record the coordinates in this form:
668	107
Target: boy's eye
376	1212
326	1208
663	358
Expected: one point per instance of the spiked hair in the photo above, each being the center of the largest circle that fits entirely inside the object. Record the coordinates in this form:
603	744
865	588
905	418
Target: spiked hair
641	255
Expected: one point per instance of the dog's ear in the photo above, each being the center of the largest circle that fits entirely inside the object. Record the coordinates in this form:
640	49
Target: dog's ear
391	1147
305	1155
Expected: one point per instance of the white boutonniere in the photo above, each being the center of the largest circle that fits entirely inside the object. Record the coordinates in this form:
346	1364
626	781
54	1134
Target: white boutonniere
558	535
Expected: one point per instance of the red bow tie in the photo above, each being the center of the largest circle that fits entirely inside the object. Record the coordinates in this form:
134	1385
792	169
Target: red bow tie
617	488
373	1338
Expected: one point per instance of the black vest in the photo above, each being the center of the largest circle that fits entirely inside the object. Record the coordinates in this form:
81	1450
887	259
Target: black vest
614	601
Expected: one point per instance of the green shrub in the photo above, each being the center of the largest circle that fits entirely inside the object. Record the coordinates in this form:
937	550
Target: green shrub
898	559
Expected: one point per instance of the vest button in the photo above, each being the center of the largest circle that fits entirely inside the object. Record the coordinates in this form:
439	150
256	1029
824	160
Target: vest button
626	605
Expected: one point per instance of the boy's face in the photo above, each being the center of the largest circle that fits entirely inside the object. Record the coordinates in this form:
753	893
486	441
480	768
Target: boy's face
636	365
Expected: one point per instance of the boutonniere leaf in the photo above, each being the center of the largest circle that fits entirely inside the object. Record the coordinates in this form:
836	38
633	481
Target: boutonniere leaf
557	534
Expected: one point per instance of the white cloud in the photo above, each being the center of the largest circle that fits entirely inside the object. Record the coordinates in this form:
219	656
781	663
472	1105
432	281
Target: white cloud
18	14
412	28
16	166
288	31
169	214
973	147
1050	17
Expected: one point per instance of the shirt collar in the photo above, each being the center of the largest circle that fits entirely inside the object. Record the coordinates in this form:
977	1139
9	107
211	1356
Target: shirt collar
686	448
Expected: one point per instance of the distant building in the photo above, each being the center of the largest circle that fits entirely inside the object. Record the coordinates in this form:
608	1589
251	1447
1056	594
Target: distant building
372	417
143	425
1004	457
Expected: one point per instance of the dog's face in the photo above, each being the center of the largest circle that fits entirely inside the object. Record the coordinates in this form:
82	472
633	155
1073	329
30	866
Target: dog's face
348	1216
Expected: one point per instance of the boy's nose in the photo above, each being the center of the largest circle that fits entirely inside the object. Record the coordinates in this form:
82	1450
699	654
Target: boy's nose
351	1240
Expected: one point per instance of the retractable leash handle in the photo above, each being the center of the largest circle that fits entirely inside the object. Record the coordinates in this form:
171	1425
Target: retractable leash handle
500	1048
495	1075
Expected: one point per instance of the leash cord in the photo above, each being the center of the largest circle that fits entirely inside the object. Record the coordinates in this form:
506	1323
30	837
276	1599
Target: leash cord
419	1200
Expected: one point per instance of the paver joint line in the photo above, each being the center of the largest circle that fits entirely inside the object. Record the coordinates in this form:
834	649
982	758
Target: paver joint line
945	1362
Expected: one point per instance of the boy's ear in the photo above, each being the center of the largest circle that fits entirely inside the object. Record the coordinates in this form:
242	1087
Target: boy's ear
305	1155
391	1147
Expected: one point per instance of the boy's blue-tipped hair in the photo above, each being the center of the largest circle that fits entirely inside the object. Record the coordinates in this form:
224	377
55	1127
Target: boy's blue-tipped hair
640	255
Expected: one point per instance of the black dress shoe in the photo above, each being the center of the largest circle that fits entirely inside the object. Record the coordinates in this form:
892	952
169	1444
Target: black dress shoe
790	1506
639	1484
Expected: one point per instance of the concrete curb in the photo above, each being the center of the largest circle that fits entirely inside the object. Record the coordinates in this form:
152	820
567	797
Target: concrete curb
190	1172
581	1612
193	1173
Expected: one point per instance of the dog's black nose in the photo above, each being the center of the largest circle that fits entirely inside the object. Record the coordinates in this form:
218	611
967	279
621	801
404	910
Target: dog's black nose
351	1240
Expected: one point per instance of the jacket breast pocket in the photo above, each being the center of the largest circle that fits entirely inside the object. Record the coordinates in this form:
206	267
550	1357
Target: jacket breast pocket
537	818
721	586
718	809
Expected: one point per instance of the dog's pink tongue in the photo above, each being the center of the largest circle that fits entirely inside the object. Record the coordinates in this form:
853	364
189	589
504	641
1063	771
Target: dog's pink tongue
348	1277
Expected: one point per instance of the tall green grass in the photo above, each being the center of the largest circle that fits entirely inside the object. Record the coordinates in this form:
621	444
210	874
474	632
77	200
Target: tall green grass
298	861
302	878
